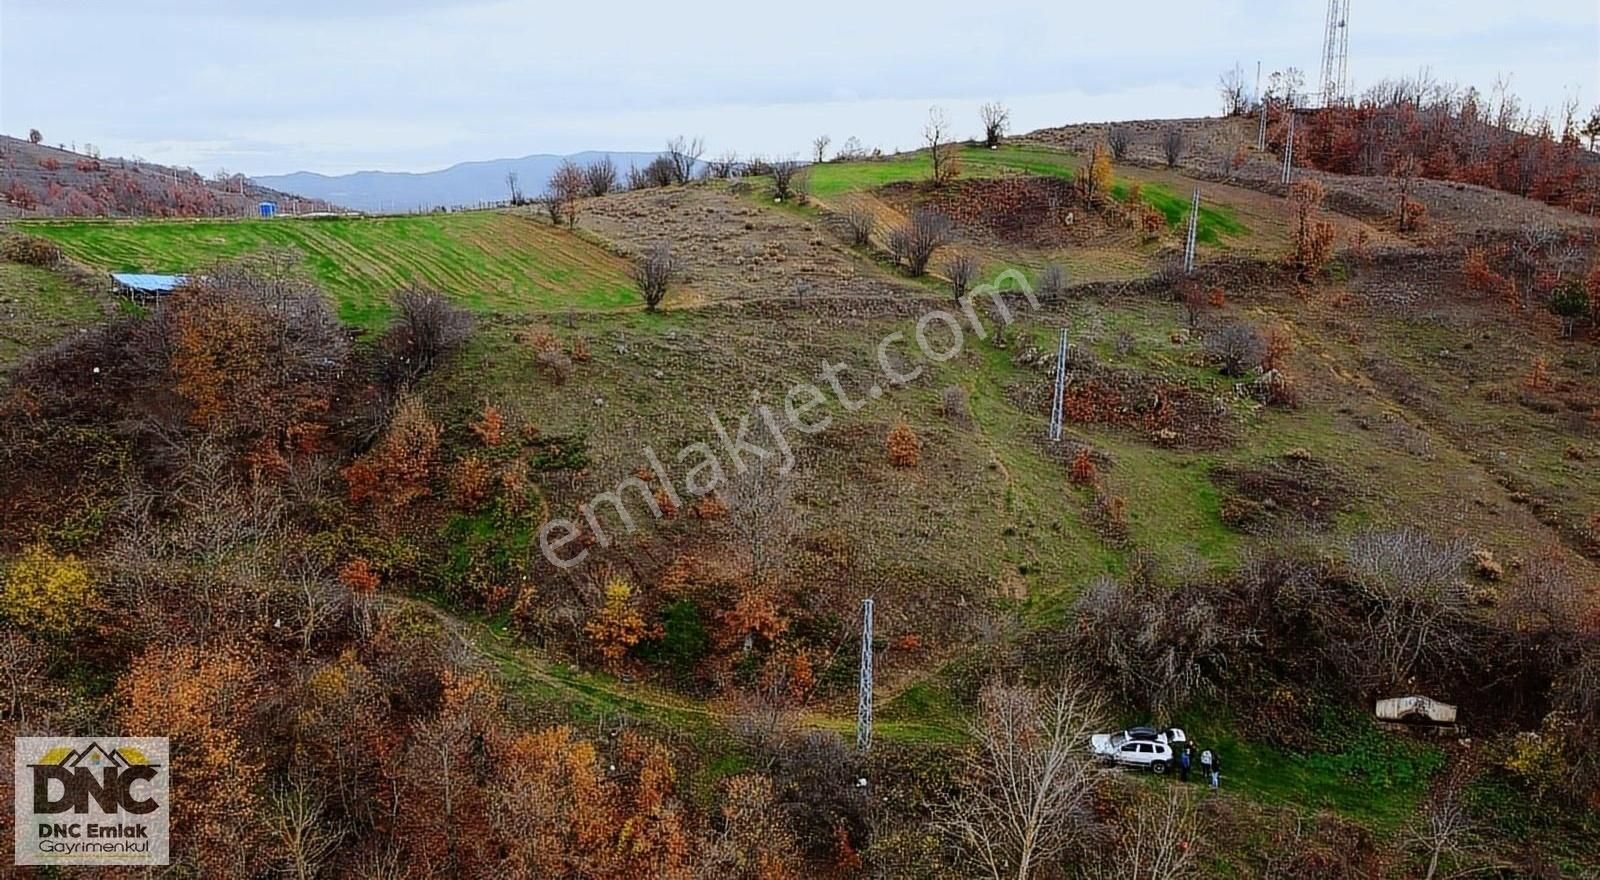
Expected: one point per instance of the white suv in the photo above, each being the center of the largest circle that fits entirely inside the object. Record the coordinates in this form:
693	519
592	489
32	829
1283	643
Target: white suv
1139	747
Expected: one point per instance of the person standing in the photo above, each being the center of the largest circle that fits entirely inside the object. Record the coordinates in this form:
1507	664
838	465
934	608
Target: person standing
1208	766
1183	763
1216	771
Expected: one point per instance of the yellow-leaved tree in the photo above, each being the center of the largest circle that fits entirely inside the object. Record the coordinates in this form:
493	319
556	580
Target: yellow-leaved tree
46	592
617	626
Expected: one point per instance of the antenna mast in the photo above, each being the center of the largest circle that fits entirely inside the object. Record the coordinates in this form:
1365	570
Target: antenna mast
1335	51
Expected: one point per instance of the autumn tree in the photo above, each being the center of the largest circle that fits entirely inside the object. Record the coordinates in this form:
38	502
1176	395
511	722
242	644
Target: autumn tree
200	698
1027	783
1095	181
754	841
1409	212
1313	236
47	593
400	468
617	625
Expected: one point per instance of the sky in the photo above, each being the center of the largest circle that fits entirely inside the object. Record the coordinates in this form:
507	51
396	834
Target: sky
274	86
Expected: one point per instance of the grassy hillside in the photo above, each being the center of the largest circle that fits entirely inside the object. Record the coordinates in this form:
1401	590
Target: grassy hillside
487	261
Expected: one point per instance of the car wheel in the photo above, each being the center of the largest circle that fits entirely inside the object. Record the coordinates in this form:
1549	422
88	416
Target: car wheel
1158	767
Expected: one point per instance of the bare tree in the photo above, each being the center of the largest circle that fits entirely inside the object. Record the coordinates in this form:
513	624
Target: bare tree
652	272
34	136
1172	143
936	134
914	241
724	166
762	514
1118	138
1157	842
996	119
1028	783
1231	86
1416	605
961	270
859	221
1444	837
819	149
514	187
425	329
600	177
304	839
568	186
684	154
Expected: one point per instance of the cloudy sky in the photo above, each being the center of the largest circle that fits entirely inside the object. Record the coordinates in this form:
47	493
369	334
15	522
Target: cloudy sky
270	86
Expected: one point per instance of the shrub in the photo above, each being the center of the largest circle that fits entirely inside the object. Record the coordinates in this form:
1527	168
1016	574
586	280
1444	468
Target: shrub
914	241
962	269
1570	303
652	272
600	177
490	427
1083	470
400	468
47	593
788	180
471	483
29	250
953	400
903	446
1236	347
859	222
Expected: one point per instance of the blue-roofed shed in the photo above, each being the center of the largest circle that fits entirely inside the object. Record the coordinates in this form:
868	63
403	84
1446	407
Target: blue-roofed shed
139	285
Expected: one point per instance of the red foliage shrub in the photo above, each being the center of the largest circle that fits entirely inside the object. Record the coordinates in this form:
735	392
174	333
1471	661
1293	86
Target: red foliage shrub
490	427
903	445
1083	470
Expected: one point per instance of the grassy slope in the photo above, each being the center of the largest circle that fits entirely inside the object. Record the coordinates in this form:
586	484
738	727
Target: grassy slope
37	307
1218	220
489	261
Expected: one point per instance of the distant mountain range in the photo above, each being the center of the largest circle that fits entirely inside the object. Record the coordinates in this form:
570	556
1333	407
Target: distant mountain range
467	183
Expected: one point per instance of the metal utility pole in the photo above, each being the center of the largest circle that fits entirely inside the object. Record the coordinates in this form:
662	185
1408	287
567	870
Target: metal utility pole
1057	404
1194	225
1288	149
864	697
1261	134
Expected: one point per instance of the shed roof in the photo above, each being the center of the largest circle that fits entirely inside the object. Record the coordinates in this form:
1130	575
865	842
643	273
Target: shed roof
148	283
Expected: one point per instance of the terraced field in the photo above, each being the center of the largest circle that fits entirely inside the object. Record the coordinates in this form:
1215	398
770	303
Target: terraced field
488	261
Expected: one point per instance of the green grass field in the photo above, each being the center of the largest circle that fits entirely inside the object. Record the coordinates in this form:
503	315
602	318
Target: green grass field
37	307
485	260
832	179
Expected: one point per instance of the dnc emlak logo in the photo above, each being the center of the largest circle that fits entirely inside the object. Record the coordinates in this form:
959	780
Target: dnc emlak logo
87	801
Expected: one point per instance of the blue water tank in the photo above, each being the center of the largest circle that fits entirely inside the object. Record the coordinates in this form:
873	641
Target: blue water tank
268	209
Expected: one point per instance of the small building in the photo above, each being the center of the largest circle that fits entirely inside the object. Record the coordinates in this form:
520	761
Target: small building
140	286
268	210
